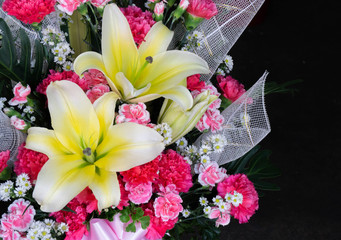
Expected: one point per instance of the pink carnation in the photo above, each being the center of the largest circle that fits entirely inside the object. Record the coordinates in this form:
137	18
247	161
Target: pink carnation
157	228
94	77
140	193
97	91
231	88
202	8
20	94
74	220
210	174
174	169
99	3
140	22
212	119
142	174
4	157
241	184
124	194
58	76
194	83
168	205
29	162
18	123
136	113
88	198
29	11
223	218
20	214
68	6
6	229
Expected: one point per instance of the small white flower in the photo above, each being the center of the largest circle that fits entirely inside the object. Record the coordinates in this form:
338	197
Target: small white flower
22	178
199	45
2	101
182	143
63	227
228	197
60	59
217	147
166	132
228	62
49	223
147	4
21	105
237	198
217	200
192	150
207	210
19	192
224	206
45	232
203	201
205	149
198	35
188	160
5	191
68	66
33	118
220	71
186	213
189	37
28	109
205	159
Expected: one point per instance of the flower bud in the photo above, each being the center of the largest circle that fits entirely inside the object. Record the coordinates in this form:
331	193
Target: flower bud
182	121
158	11
180	9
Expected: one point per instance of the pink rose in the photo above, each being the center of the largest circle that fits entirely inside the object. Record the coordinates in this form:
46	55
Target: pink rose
140	193
20	94
210	174
136	113
223	217
18	123
97	91
168	205
20	220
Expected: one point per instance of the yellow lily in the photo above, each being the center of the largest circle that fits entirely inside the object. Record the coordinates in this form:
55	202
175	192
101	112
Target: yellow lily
144	74
85	148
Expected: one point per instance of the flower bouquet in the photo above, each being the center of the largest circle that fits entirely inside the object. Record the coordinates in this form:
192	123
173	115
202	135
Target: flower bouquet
120	121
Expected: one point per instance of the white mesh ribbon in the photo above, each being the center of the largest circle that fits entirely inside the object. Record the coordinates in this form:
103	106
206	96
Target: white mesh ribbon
246	124
222	31
10	138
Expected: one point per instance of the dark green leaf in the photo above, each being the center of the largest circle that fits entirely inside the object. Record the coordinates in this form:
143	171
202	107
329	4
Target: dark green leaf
125	218
131	227
38	67
139	212
25	56
246	159
67	209
8	55
5	174
262	185
145	221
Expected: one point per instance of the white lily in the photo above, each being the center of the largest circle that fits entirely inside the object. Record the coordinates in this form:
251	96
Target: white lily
144	74
85	148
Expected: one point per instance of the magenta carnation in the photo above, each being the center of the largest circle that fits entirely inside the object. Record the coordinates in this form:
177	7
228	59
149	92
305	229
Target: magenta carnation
29	162
173	169
29	11
94	77
4	157
74	220
58	76
231	88
202	8
194	83
241	184
142	174
140	22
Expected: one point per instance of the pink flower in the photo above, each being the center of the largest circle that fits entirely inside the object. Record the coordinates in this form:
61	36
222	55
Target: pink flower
21	214
97	91
20	94
174	169
212	119
29	11
145	173
136	113
18	123
29	162
184	4
194	83
124	194
231	88
241	184
68	6
157	228
6	229
210	174
202	8
213	91
99	3
140	22
223	218
94	77
140	193
159	8
58	76
168	205
74	220
88	198
4	157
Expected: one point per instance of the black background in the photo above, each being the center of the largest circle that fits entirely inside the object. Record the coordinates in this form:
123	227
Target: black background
296	40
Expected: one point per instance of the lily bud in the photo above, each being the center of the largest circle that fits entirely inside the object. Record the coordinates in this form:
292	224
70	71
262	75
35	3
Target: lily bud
182	121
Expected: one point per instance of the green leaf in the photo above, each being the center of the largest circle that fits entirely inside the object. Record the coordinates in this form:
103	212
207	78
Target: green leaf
246	159
124	218
5	174
145	221
8	55
38	67
139	212
131	227
25	56
262	185
67	209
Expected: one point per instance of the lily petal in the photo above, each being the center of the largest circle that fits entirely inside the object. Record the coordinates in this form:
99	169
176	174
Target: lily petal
106	188
156	41
105	110
45	141
128	145
127	88
168	69
60	180
119	51
73	117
